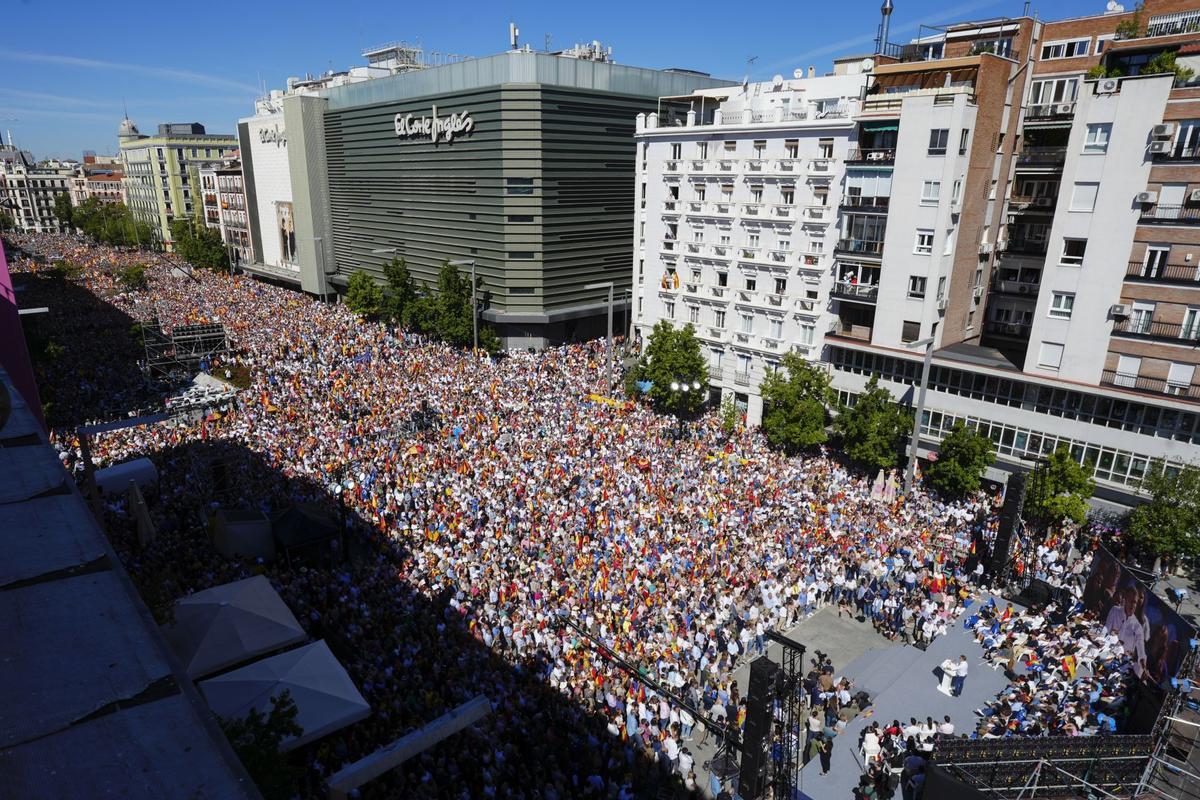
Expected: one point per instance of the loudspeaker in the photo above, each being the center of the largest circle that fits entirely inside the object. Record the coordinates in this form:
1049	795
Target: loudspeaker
759	694
1010	518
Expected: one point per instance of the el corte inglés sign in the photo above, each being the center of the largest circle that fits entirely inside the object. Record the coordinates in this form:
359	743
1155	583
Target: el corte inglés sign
433	127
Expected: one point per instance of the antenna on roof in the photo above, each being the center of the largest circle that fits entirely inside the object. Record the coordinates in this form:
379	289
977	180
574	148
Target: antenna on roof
749	63
514	34
549	38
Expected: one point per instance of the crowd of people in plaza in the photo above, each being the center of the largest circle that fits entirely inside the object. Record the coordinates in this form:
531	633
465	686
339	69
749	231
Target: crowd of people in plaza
526	506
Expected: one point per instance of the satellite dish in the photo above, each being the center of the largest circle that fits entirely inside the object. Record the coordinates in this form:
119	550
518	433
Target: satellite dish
798	73
1114	7
867	64
777	81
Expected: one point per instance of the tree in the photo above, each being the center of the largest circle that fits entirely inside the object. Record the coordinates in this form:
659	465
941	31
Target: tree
64	210
133	277
1057	491
364	296
1169	525
256	739
1165	62
796	400
730	416
672	355
1130	28
199	245
963	457
6	221
401	292
874	428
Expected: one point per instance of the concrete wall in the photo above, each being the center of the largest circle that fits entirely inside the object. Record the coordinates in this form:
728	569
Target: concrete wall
272	182
304	121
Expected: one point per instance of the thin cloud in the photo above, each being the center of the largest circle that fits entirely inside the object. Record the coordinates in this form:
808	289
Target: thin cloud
852	42
43	97
21	113
183	76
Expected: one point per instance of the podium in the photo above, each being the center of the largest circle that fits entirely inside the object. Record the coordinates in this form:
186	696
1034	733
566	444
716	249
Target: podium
947	668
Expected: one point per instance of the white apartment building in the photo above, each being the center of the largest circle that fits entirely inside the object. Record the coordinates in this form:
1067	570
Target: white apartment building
28	189
737	220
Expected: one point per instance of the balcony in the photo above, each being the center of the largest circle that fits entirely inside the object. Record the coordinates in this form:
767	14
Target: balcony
1050	112
863	247
671	166
698	165
668	245
722	210
749	253
789	165
1181	154
695	208
776	300
783	212
1136	383
1144	328
752	209
670	206
1170	215
1018	330
721	251
868	204
821	167
817	213
1036	203
1162	273
718	291
1026	247
779	256
1029	288
693	248
756	165
849	330
1042	157
858	292
873	156
771	344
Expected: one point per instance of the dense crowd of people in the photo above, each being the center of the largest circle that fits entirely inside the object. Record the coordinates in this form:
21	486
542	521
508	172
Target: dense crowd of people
525	504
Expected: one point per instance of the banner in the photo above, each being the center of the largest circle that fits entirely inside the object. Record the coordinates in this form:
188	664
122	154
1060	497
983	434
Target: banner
1155	637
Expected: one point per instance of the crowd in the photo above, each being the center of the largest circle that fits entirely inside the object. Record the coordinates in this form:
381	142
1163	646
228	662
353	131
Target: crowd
528	504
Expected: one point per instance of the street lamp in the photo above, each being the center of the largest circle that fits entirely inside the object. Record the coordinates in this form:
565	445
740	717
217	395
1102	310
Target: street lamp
474	313
607	285
916	433
681	390
339	487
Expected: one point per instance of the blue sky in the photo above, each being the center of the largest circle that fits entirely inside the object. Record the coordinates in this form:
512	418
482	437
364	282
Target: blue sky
69	65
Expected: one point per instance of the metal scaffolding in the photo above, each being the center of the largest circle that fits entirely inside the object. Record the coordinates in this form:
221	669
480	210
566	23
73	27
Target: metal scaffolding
182	350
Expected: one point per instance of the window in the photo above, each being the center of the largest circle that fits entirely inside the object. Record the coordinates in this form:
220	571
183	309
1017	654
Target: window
751	284
694	314
1052	91
519	185
1083	198
670	306
807	334
701	149
1061	304
747	323
743	365
911	331
520	255
788	195
722	279
825	148
1050	355
1073	250
759	146
719	318
517	218
963	137
1127	370
916	286
676	151
781	285
1097	137
731	147
698	191
1074	48
938	137
1191	324
924	245
791	147
775	327
754	240
949	246
1179	378
756	193
956	192
931	191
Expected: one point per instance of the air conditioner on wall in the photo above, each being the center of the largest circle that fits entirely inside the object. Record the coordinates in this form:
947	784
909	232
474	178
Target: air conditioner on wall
985	248
1043	202
1064	108
1160	147
1118	310
1194	196
1164	130
1147	197
1108	86
941	304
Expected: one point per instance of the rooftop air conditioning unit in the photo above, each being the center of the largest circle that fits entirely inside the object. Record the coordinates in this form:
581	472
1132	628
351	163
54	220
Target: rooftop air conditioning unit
1119	310
1108	86
1147	197
1160	147
1164	130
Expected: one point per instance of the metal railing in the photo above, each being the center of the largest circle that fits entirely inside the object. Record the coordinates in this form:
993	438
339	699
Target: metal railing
1015	287
851	331
871	155
1026	247
1163	273
865	203
855	291
1043	202
860	246
1146	328
1020	329
1110	377
1182	215
1041	156
1179	154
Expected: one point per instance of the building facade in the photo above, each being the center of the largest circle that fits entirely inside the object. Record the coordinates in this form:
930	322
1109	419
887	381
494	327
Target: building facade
1022	197
29	188
99	177
160	171
224	205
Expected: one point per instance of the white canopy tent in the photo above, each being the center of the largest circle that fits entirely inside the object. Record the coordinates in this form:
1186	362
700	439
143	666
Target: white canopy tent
117	477
326	699
230	624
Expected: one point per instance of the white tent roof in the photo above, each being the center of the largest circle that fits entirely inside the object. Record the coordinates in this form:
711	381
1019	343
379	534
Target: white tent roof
325	697
229	624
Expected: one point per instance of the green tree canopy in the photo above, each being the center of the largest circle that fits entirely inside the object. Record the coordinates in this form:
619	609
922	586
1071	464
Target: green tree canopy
672	355
1165	62
873	430
1169	525
963	457
730	415
1057	490
796	400
133	277
199	245
364	296
6	221
111	223
64	210
256	740
401	292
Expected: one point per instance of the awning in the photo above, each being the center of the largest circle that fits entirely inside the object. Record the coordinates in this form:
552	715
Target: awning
880	127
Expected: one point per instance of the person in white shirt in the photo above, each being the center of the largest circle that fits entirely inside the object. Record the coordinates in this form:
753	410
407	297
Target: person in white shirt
959	676
946	727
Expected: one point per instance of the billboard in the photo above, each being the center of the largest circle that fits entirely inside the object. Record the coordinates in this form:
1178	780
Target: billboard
1150	631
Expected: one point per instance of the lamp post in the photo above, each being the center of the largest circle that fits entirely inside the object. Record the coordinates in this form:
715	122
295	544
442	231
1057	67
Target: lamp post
474	312
681	390
916	432
340	486
607	285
